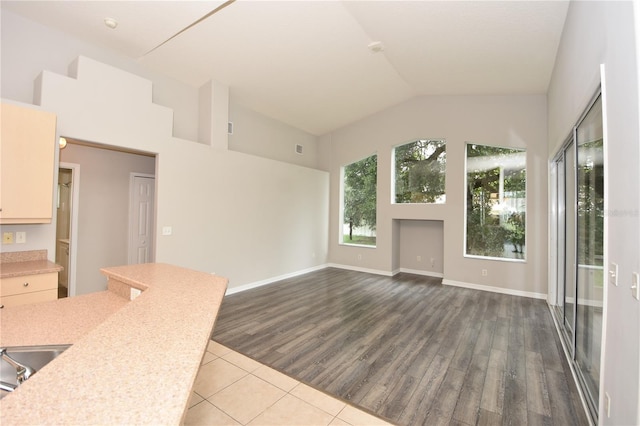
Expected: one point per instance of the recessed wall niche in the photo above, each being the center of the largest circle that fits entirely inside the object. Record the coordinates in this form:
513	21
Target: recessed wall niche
419	246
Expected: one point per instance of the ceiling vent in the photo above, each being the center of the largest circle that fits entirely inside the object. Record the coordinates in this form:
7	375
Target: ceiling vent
299	149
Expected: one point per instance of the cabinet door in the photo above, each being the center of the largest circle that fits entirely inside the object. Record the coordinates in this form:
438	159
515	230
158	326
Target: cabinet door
27	147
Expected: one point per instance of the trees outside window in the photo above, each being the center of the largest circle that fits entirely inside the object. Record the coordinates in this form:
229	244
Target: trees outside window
359	202
496	202
420	171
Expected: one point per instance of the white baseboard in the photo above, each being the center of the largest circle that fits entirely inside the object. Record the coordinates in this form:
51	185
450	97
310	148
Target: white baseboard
268	281
453	283
495	289
419	272
359	269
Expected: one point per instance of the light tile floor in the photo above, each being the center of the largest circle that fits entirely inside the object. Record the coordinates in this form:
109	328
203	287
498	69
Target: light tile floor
232	389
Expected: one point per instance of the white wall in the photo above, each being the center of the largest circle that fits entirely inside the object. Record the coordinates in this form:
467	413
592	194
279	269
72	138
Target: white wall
28	48
248	218
596	33
256	134
243	217
423	239
103	222
509	121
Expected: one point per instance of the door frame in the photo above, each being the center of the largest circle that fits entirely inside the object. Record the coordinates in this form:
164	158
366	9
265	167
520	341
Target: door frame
73	229
133	214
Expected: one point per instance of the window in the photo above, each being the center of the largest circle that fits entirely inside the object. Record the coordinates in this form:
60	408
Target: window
419	171
496	202
359	202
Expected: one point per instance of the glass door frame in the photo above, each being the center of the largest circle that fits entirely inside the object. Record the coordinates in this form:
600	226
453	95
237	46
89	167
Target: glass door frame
559	211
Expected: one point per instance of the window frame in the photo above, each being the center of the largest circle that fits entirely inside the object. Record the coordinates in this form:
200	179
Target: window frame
394	172
341	212
525	211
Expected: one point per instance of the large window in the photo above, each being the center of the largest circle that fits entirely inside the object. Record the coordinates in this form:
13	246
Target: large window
359	202
496	202
419	171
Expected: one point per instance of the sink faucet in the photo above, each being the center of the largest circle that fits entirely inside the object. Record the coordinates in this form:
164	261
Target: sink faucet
23	372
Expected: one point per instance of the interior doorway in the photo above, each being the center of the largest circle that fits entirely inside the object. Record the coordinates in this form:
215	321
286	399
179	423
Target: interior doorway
103	210
66	202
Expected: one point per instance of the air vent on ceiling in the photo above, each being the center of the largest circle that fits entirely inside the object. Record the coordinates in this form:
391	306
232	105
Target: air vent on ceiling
298	149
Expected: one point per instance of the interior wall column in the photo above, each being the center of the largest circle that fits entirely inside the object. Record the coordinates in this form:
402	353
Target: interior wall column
213	114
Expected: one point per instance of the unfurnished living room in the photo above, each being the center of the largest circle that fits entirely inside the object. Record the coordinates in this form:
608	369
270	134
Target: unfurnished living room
327	212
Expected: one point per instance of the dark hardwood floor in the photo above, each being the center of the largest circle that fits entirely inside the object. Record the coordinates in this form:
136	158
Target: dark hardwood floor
409	349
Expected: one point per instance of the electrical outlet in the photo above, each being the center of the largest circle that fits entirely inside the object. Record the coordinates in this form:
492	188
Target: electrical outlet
484	273
21	237
7	238
433	262
359	257
419	258
134	293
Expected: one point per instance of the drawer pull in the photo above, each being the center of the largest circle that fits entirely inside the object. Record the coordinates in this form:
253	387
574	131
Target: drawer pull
25	284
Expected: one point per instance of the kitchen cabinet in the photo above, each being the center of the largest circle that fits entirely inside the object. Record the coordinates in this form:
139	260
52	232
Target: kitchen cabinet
27	149
26	289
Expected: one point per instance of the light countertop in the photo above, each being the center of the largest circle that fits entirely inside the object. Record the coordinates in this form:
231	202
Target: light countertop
132	362
33	262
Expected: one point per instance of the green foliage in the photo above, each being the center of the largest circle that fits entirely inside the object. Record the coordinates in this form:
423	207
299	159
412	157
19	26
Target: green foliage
420	171
360	187
359	239
515	231
494	176
590	204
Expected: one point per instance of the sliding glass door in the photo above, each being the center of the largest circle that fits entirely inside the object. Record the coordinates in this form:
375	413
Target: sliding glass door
578	206
590	254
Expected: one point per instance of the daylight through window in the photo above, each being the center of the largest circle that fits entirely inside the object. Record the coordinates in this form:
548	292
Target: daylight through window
420	171
359	202
496	202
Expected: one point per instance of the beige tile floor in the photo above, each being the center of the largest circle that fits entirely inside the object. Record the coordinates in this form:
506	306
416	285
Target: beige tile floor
232	389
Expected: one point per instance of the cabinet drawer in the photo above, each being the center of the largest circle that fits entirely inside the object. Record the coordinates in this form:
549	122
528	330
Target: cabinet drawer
26	298
28	284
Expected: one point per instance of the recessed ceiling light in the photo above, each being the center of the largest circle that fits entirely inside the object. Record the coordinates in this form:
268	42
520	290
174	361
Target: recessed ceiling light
111	23
376	46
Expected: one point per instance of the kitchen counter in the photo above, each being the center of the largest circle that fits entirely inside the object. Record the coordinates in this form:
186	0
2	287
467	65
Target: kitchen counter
14	264
132	362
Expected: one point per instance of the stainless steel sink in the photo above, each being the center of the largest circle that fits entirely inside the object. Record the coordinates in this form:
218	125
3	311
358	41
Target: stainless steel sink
33	357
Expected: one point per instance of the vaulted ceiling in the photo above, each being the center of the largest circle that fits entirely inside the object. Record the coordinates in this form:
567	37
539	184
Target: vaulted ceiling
310	63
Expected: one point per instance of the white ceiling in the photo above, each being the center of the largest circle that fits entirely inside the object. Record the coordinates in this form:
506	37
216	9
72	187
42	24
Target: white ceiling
307	64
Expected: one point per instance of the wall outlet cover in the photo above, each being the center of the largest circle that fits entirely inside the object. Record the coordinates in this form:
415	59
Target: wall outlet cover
7	238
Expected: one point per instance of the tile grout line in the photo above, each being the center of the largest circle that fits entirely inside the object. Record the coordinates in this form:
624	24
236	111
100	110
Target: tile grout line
286	392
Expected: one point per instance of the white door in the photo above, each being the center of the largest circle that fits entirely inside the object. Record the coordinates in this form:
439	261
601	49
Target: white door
141	219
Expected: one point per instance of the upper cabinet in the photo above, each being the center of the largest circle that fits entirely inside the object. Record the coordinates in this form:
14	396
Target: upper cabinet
27	149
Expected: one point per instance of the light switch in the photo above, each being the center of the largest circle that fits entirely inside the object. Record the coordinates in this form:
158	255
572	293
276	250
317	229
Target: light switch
613	274
635	285
166	230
